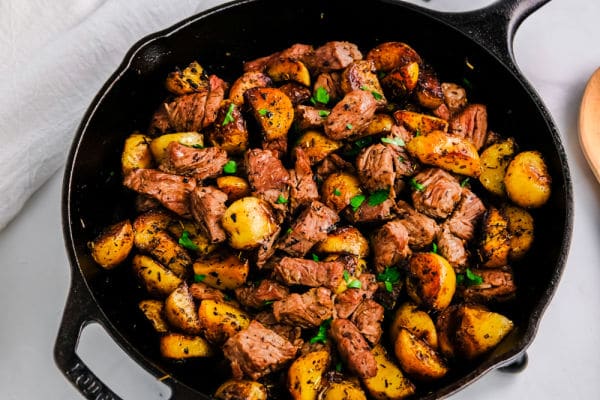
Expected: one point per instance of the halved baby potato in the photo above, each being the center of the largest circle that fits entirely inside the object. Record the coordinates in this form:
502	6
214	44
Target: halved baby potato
249	223
248	80
180	311
400	82
317	146
234	187
286	69
219	320
241	389
222	270
421	123
305	375
191	79
494	248
338	189
431	281
416	321
153	311
391	55
345	240
416	358
178	346
527	180
113	245
272	109
136	153
157	279
494	161
479	330
342	390
520	229
389	383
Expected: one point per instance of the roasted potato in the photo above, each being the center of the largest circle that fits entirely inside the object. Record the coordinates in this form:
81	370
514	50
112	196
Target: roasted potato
391	55
446	151
421	123
113	245
153	311
273	111
446	324
219	320
229	131
178	346
222	270
431	281
249	223
241	389
527	181
194	234
248	80
520	229
494	161
305	375
389	383
416	358
286	69
159	145
345	240
158	280
495	241
167	251
317	146
338	189
400	82
136	153
381	123
479	330
416	321
180	311
361	75
191	79
342	390
428	91
234	187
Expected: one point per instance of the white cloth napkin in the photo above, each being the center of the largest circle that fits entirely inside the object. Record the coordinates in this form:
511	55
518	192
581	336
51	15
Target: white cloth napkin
54	56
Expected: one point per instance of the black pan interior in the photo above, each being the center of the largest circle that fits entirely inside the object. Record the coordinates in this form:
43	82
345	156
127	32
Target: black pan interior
220	41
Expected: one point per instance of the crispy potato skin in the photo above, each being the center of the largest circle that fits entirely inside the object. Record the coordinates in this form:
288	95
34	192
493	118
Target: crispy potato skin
191	79
479	330
431	281
390	55
417	322
317	146
389	383
343	390
159	145
222	270
149	271
195	234
494	161
338	189
249	223
113	245
286	69
180	311
153	311
527	181
381	123
345	240
242	389
136	153
273	111
178	346
234	187
305	375
416	358
402	81
219	320
230	132
422	123
520	229
247	81
495	242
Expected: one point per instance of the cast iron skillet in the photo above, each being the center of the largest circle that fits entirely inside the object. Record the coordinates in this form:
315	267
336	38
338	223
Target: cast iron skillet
221	39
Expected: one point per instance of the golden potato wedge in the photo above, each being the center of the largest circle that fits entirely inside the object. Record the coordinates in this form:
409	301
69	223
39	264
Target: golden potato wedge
194	233
167	251
191	79
180	311
113	245
286	69
230	132
400	82
249	223
520	229
248	80
381	123
345	240
446	151
431	281
422	123
305	375
241	389
273	111
494	161
495	241
389	383
317	146
158	146
178	346
153	311
222	270
391	55
146	224
234	187
338	189
480	330
220	320
527	181
157	280
416	321
342	390
416	358
136	153
361	75
429	91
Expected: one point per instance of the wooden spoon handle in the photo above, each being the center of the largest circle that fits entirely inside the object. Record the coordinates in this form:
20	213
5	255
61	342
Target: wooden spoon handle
589	123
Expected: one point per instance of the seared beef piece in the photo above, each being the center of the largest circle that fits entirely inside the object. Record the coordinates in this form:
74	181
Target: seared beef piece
298	51
332	163
291	333
234	133
361	75
303	188
201	163
403	162
421	229
351	115
306	310
257	296
297	92
455	97
307	117
375	167
186	113
218	87
440	194
145	203
386	298
171	190
268	177
208	206
336	55
390	245
452	248
347	301
258	64
353	348
400	132
300	271
308	347
160	123
278	147
442	112
465	217
257	351
471	124
311	226
367	318
498	285
266	250
201	291
330	81
368	213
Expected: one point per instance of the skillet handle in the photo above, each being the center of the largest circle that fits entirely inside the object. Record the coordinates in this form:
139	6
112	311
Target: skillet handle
494	26
79	311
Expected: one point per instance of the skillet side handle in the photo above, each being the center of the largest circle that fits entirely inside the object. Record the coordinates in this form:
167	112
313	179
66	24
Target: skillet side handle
79	311
494	27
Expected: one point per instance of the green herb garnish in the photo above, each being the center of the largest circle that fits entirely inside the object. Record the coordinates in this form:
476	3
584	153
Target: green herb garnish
187	242
289	230
339	366
356	201
321	335
315	257
268	302
230	167
434	248
396	141
197	146
464	182
389	277
199	277
281	199
378	197
401	159
417	133
467	83
349	126
418	186
264	112
378	96
324	113
337	192
321	96
228	116
473	278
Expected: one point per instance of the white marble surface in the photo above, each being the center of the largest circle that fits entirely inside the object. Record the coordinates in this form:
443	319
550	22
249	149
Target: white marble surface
556	48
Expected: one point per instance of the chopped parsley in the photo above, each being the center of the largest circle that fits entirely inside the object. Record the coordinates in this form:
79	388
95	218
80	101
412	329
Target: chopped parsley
324	113
389	277
350	282
417	133
199	277
464	182
434	248
321	335
229	115
418	186
337	192
376	95
268	302
396	141
401	159
349	126
315	257
187	242
197	146
265	112
339	366
321	96
356	201
363	142
230	167
467	83
469	278
289	230
281	199
378	197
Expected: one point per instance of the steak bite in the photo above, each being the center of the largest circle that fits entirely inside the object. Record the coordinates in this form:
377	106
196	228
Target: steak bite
218	87
353	348
436	193
452	248
172	191
297	92
468	212
257	296
498	285
368	318
375	167
303	188
208	206
351	115
257	351
201	163
421	229
186	113
390	245
335	56
308	117
300	271
347	301
268	177
330	81
471	124
368	213
361	75
306	310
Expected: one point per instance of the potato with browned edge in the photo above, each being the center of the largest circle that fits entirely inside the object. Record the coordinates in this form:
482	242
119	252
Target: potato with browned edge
189	80
494	161
273	111
431	281
520	229
416	321
527	180
345	240
342	390
136	153
421	123
219	320
494	247
338	189
178	346
180	311
234	187
113	245
156	278
241	389
286	69
479	330
416	358
159	145
305	375
317	146
389	383
222	270
249	222
153	311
